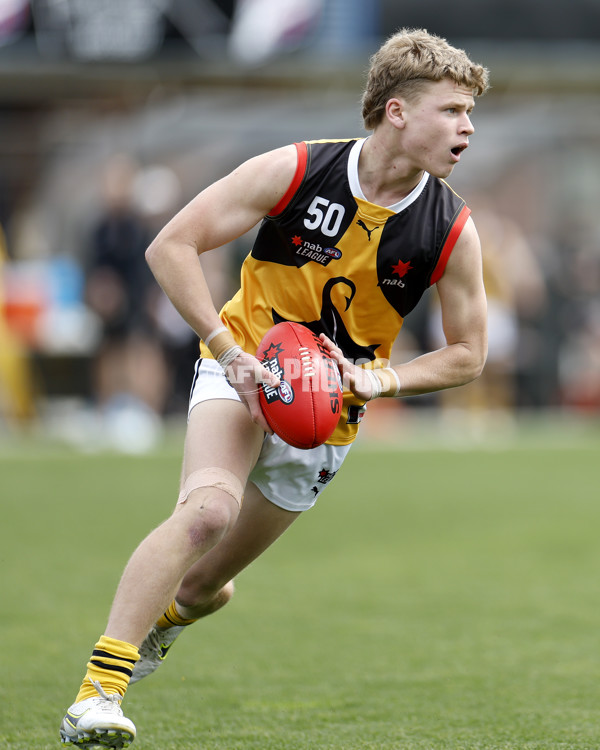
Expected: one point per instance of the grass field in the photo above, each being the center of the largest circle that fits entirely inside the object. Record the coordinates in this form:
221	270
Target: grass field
434	598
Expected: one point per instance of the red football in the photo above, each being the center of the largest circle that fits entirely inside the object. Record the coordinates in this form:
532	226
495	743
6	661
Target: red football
304	410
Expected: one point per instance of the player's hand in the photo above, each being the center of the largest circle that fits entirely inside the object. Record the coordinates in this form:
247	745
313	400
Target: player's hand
354	378
246	374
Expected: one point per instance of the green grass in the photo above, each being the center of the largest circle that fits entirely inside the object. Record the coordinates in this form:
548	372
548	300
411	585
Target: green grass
433	599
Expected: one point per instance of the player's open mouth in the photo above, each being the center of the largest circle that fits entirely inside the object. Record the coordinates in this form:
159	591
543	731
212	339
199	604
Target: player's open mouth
457	150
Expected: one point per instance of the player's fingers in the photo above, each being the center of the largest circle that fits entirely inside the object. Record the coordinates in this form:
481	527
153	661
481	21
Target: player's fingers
335	352
330	345
248	372
348	380
353	377
266	377
259	418
252	403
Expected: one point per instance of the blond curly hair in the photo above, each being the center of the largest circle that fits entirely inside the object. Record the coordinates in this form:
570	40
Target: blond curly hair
406	62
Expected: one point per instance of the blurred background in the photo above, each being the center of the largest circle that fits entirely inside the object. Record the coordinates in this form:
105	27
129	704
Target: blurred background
115	113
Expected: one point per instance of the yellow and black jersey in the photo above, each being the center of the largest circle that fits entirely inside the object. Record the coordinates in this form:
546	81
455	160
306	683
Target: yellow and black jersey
328	258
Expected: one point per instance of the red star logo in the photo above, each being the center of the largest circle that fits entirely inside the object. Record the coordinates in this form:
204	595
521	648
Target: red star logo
272	351
296	240
401	268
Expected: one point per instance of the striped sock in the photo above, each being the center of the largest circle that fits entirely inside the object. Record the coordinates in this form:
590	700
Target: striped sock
171	617
111	664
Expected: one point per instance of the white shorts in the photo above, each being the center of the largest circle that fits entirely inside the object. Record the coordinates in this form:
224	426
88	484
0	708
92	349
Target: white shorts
289	477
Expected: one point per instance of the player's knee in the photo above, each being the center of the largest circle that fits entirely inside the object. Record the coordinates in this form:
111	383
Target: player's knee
209	521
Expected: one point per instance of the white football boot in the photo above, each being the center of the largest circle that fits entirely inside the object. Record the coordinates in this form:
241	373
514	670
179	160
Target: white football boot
154	650
97	722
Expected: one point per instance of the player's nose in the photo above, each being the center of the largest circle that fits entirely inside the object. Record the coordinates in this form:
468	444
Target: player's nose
467	127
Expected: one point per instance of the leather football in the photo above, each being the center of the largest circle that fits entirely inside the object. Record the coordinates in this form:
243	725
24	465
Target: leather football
305	408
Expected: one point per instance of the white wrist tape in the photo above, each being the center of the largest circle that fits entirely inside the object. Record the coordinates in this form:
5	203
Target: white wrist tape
213	333
229	355
396	377
375	384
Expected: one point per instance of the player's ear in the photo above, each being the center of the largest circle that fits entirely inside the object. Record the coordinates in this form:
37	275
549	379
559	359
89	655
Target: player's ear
395	112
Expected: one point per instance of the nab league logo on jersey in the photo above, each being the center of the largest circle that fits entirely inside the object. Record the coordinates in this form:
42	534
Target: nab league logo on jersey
400	269
284	391
313	251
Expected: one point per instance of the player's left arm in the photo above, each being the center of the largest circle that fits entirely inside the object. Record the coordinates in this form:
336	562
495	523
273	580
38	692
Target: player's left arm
464	319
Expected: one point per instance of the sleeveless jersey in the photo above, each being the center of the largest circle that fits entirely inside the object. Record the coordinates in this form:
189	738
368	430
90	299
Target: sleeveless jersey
328	258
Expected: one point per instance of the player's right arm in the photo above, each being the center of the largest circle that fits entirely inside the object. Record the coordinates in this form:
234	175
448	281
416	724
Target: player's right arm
219	214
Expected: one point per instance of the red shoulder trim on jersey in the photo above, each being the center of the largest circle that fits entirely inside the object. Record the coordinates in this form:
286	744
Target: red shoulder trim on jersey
453	236
295	183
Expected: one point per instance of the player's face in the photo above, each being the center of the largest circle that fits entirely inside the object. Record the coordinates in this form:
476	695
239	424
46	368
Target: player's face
438	126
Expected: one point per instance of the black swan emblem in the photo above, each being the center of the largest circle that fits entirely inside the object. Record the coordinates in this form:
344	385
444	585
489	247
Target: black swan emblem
331	324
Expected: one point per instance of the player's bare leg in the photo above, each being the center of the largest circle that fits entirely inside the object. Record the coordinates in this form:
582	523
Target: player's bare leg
220	434
260	523
208	585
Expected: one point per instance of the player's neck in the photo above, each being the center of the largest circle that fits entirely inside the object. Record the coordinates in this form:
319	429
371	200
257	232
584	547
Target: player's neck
385	178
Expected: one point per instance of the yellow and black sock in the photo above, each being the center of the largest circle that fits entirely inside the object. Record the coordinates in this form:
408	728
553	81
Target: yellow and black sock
171	617
111	664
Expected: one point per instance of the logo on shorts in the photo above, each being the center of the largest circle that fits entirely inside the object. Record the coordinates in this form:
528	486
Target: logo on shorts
323	477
